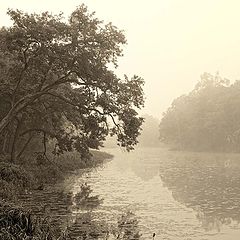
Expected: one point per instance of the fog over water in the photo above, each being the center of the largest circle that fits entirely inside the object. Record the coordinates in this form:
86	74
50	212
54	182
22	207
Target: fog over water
184	187
170	42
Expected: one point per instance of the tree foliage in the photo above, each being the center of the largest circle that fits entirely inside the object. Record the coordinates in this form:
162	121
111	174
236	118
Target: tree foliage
57	84
208	118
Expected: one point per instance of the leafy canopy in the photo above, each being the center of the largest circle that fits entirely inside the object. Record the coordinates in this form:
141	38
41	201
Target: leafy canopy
56	82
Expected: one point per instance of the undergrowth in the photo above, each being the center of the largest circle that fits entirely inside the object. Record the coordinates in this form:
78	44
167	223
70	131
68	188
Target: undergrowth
16	222
19	224
13	179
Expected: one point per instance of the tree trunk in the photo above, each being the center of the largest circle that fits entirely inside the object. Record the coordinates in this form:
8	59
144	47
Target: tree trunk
5	142
15	138
18	107
4	122
24	146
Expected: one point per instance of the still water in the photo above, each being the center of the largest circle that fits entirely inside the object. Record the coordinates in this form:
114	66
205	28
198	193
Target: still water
176	195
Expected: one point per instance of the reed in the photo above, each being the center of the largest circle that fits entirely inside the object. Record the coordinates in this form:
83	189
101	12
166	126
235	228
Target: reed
19	224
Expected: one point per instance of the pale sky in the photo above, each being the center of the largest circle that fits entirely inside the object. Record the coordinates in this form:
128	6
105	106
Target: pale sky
170	42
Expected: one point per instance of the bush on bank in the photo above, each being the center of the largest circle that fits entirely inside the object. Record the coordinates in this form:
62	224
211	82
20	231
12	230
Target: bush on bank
19	223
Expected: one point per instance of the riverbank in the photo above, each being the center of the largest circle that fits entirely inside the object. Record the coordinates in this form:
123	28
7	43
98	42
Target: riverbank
19	222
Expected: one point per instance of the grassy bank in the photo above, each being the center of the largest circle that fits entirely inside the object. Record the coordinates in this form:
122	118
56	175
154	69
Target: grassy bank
32	172
17	222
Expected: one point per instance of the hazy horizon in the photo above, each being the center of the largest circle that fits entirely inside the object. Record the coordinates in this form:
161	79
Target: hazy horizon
170	43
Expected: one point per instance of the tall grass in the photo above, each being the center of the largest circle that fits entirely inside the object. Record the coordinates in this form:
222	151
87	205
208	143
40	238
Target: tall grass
17	223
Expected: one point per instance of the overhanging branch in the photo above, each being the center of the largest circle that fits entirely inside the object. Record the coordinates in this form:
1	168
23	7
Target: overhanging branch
66	100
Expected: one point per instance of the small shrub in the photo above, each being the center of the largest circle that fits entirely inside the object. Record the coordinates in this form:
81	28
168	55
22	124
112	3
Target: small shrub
7	191
15	174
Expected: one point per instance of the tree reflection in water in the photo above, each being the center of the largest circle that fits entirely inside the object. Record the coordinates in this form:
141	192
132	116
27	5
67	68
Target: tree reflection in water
127	227
207	183
87	225
76	215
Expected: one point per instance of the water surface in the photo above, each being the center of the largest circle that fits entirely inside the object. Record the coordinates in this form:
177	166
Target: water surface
177	195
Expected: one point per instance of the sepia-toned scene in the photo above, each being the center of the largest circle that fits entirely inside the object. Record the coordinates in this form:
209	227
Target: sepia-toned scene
119	120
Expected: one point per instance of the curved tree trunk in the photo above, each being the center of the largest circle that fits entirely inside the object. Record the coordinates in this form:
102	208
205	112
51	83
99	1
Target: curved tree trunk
18	107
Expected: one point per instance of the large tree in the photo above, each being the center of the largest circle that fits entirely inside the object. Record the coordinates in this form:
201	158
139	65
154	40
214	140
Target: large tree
57	82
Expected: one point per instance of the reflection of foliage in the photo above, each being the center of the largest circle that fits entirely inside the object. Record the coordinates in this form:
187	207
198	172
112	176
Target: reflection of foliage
85	227
207	183
83	199
53	209
212	222
127	227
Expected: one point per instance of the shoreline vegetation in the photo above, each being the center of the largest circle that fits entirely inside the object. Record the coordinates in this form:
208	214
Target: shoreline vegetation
59	98
18	222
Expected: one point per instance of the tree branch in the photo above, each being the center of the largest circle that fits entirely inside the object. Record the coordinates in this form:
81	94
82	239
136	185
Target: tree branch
44	144
85	108
20	76
35	130
15	136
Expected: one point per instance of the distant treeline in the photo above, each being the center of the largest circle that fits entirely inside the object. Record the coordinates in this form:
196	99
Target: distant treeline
207	119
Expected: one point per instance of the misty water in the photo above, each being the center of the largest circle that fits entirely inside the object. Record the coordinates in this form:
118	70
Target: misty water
177	195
